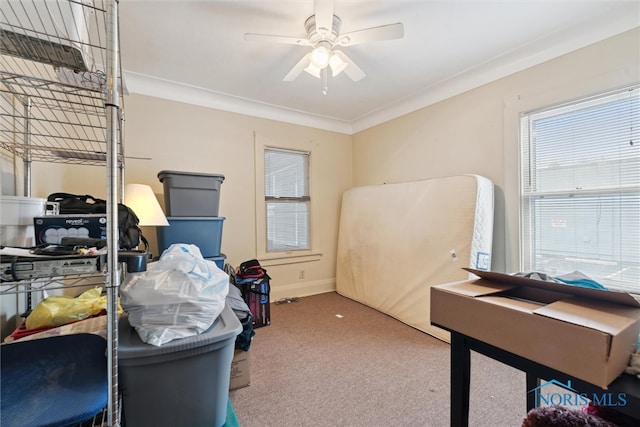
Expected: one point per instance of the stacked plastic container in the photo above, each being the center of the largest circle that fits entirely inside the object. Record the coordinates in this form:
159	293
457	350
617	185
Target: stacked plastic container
184	382
191	203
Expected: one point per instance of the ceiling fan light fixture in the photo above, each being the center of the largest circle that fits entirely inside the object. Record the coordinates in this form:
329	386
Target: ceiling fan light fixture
337	64
320	57
325	40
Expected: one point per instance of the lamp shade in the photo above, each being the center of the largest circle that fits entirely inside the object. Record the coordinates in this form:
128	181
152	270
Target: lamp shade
337	64
313	70
143	202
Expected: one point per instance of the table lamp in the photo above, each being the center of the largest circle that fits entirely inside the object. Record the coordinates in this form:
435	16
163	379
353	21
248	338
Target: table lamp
143	202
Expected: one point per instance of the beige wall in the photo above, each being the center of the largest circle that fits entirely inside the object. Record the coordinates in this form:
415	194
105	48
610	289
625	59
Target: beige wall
184	137
477	132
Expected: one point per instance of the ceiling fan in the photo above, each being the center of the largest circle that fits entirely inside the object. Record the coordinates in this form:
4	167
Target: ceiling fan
323	35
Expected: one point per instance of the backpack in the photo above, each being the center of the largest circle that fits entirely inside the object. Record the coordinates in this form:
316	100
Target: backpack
250	269
130	234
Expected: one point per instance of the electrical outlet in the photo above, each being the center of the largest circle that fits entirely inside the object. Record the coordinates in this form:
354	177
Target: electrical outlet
301	274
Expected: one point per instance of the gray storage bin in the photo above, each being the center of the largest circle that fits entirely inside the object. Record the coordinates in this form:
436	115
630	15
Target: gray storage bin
184	382
190	193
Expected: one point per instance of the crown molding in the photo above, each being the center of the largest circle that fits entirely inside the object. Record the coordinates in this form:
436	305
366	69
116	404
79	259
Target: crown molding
505	65
142	84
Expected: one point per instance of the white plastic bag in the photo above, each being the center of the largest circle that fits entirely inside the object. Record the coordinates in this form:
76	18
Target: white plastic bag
180	295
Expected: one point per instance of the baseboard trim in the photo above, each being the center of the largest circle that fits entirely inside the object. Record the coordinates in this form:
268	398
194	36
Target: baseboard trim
302	289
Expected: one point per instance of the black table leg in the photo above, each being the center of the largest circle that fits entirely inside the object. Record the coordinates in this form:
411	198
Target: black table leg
533	382
626	385
460	380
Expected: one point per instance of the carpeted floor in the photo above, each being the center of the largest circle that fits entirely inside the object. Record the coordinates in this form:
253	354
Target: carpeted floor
326	360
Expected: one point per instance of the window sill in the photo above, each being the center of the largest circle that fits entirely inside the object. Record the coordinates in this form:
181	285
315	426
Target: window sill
285	258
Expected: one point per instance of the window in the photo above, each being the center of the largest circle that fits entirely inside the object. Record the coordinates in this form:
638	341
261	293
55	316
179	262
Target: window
580	189
286	189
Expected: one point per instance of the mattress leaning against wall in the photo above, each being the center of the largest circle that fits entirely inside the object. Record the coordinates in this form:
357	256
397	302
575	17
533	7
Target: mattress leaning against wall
398	240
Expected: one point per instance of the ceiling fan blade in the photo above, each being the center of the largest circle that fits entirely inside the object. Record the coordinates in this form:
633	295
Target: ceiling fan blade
323	10
253	37
354	72
298	68
373	34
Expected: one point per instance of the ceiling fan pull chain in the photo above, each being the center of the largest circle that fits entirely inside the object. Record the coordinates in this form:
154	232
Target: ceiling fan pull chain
325	84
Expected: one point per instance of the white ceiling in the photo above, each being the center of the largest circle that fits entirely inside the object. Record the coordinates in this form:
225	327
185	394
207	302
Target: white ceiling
194	51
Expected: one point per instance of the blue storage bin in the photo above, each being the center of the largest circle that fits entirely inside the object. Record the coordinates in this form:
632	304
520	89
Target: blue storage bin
219	260
204	232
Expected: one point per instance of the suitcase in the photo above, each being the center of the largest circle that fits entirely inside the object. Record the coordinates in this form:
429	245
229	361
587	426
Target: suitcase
255	292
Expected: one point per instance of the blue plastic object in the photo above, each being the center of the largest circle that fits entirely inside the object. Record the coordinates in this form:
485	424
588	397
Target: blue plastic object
56	381
204	232
232	419
219	260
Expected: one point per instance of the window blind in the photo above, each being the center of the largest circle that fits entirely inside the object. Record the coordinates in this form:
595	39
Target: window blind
287	199
580	189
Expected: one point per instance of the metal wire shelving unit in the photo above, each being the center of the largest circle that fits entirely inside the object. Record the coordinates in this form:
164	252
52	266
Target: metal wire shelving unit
60	102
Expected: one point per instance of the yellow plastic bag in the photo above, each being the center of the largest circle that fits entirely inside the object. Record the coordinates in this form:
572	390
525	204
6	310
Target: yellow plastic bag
59	310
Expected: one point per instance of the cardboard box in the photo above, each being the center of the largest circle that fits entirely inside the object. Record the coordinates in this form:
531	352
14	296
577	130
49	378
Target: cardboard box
586	333
240	369
52	228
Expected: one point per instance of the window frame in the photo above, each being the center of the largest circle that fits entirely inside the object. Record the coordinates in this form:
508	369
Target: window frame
314	253
528	194
304	199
